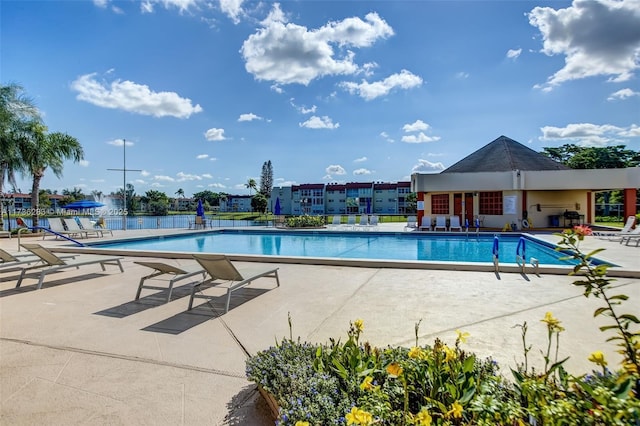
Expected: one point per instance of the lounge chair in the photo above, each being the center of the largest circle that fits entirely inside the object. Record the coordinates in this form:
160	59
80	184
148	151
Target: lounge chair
628	226
56	226
412	223
160	268
221	269
426	223
454	223
336	222
86	225
364	222
373	221
351	222
73	226
633	235
441	223
53	263
5	234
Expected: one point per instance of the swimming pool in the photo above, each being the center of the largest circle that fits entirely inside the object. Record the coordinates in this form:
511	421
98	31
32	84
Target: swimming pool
405	246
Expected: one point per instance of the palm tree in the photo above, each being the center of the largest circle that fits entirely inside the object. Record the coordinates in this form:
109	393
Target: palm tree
43	150
17	113
251	184
180	193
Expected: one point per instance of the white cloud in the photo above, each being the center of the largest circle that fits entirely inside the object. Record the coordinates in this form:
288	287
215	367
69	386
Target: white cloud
622	94
207	176
359	172
202	156
217	185
419	138
513	53
360	160
132	97
288	53
416	126
119	142
587	134
596	38
101	3
249	117
182	177
323	122
147	6
144	173
164	178
157	185
277	88
369	91
335	170
233	9
425	166
213	159
84	163
386	137
462	75
214	134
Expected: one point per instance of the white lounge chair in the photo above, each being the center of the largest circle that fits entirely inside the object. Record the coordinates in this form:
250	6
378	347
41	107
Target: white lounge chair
351	222
336	222
633	235
86	225
221	269
364	222
373	221
454	223
412	223
441	223
53	263
72	226
58	229
628	226
160	268
426	223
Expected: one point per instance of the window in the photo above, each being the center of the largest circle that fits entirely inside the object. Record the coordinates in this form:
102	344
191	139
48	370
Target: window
440	204
491	203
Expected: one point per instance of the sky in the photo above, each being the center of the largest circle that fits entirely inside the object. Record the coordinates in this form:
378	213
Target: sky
202	93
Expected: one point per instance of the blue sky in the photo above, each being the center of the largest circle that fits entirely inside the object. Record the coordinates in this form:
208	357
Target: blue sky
204	92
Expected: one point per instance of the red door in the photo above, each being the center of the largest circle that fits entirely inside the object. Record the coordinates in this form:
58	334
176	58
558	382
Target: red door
457	205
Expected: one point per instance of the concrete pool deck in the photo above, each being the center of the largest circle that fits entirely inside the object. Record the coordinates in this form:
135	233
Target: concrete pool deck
82	351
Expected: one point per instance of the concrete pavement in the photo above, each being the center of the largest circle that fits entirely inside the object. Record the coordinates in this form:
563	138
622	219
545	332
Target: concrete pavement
81	351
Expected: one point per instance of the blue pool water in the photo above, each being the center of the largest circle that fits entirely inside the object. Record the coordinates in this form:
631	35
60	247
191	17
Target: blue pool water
354	245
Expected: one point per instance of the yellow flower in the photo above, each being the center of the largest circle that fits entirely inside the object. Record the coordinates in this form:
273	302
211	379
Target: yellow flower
358	417
366	384
449	354
462	336
359	325
415	353
423	418
456	410
597	357
552	323
394	369
301	423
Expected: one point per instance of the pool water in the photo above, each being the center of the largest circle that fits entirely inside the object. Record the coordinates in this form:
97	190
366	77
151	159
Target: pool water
353	245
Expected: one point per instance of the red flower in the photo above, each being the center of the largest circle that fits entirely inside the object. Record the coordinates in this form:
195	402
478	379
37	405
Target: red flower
581	231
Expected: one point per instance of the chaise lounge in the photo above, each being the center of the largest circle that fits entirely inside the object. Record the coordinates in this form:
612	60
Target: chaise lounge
222	270
52	263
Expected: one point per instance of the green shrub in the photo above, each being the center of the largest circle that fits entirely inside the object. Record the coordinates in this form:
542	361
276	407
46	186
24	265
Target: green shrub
305	221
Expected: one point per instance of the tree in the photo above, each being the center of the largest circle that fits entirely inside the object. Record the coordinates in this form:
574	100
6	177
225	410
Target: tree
411	202
259	203
207	196
579	157
251	184
266	179
130	197
42	150
17	114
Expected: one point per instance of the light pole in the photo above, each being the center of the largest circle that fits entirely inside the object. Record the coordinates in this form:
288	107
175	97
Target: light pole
124	171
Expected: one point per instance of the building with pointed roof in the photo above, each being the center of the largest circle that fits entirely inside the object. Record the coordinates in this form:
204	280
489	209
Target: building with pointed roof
506	183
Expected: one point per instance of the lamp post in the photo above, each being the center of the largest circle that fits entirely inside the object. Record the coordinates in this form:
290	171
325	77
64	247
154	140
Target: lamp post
7	200
124	171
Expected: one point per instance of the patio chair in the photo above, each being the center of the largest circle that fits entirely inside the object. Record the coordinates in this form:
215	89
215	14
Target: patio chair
454	223
73	226
364	222
441	223
221	269
412	223
373	221
426	223
200	223
628	226
86	225
351	222
10	262
57	228
336	222
53	263
633	235
160	268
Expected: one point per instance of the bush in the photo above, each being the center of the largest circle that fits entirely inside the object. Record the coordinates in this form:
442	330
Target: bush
305	221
